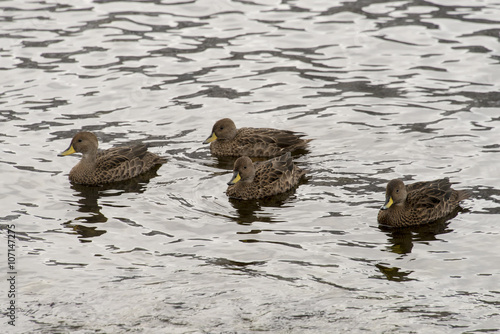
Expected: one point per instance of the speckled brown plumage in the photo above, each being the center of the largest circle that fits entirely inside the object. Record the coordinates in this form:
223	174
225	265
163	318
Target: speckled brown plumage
226	140
262	179
419	203
105	166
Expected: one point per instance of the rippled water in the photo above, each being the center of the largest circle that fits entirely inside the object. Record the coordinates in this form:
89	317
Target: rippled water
405	89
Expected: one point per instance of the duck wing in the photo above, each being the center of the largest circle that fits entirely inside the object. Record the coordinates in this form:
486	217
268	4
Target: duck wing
269	171
280	138
126	161
430	194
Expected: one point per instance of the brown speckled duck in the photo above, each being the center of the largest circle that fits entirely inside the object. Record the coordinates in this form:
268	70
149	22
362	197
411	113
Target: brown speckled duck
105	166
419	203
261	179
226	140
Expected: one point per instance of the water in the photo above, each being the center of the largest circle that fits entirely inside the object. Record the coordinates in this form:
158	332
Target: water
405	89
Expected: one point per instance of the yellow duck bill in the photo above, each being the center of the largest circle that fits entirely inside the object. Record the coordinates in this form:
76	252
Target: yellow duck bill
211	138
236	177
387	204
69	151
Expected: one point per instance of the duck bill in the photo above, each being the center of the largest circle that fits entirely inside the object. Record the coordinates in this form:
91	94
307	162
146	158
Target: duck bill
211	138
69	151
236	177
387	204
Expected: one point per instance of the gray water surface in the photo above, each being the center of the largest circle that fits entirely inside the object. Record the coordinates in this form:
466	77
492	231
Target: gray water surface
386	89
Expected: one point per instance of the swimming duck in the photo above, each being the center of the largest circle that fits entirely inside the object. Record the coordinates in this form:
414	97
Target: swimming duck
419	203
261	179
105	166
226	140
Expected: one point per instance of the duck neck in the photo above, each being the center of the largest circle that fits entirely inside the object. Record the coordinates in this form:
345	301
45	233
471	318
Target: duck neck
248	179
244	184
89	159
398	206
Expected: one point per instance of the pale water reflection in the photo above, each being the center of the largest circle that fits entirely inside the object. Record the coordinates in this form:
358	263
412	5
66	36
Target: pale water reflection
386	89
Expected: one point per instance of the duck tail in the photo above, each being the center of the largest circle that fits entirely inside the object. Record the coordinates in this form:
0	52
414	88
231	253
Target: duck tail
463	194
300	145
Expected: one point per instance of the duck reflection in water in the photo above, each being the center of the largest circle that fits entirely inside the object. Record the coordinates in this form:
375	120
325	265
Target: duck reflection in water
402	239
394	274
88	203
225	163
249	211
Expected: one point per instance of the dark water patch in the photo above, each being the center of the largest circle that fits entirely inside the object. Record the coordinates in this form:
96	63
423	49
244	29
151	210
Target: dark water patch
393	274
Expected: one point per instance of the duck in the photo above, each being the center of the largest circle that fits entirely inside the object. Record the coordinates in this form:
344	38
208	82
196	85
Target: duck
419	203
262	179
227	140
98	167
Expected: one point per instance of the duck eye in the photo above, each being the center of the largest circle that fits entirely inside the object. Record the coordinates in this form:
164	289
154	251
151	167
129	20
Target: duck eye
221	128
245	167
79	140
397	190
